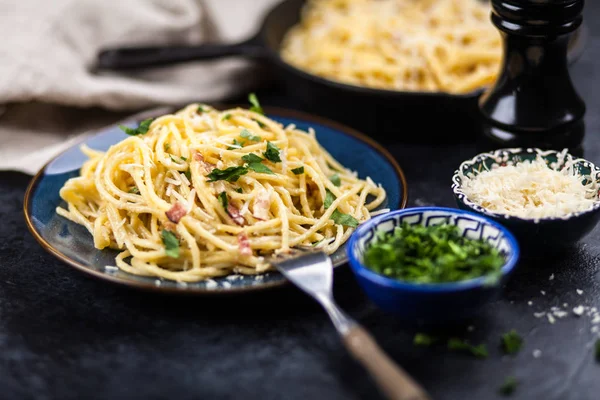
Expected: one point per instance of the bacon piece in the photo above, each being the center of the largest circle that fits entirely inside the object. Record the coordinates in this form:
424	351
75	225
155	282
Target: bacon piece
176	212
244	244
206	166
234	213
262	204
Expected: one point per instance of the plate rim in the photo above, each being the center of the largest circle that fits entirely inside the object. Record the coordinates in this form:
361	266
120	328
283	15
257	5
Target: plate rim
273	110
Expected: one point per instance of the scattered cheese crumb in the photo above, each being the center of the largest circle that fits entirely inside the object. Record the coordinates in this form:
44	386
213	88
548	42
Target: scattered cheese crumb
211	284
560	313
157	282
578	311
226	284
550	318
530	303
551	277
579	292
111	268
542	292
182	284
537	353
539	314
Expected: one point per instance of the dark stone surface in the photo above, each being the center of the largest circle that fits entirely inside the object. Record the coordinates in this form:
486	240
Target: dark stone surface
66	336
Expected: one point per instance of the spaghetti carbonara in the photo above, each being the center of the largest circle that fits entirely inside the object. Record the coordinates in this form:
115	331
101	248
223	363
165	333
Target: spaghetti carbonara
203	193
412	45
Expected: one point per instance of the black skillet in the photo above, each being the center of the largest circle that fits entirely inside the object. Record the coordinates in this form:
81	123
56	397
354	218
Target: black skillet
384	114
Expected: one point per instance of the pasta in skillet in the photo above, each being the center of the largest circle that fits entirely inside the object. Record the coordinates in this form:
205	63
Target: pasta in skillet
406	45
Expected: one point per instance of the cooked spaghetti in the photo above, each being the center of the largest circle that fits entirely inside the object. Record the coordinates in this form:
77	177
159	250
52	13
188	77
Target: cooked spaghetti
409	45
203	193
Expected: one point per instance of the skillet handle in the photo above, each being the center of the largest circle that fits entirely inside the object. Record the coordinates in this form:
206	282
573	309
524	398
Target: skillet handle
123	58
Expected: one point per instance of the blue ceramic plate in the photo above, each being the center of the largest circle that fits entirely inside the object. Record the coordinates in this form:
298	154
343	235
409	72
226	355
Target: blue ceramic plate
72	243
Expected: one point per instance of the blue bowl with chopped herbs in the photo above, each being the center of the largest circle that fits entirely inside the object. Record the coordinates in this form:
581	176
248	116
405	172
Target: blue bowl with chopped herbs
432	264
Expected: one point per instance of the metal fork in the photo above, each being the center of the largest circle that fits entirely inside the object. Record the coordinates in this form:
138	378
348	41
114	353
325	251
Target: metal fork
313	273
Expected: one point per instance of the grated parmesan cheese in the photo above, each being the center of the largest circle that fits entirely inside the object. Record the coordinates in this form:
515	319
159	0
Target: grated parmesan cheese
173	181
531	189
184	179
211	284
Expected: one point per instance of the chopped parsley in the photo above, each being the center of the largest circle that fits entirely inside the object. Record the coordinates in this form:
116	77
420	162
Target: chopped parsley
246	134
509	386
260	168
202	109
479	351
167	146
231	174
227	117
255	164
511	342
272	153
252	158
223	199
260	124
298	171
337	216
236	145
134	190
171	243
424	340
188	174
140	130
597	350
335	179
239	190
255	105
329	198
431	254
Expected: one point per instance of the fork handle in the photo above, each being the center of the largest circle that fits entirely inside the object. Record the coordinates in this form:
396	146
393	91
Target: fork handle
393	381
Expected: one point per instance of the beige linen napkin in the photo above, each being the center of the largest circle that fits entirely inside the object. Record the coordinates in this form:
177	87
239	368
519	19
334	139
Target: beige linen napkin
47	89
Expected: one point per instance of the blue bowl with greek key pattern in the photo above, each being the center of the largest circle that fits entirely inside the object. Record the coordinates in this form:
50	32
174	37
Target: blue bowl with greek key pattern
432	302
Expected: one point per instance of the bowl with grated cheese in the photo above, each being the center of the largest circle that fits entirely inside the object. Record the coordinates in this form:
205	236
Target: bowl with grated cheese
548	199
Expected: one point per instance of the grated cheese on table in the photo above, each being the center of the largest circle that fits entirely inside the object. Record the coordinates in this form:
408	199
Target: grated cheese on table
530	189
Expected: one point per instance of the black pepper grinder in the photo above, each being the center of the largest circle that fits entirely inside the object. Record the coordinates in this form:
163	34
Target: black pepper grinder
534	103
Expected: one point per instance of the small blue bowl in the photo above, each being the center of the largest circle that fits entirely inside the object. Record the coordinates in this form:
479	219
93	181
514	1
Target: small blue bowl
537	237
432	302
